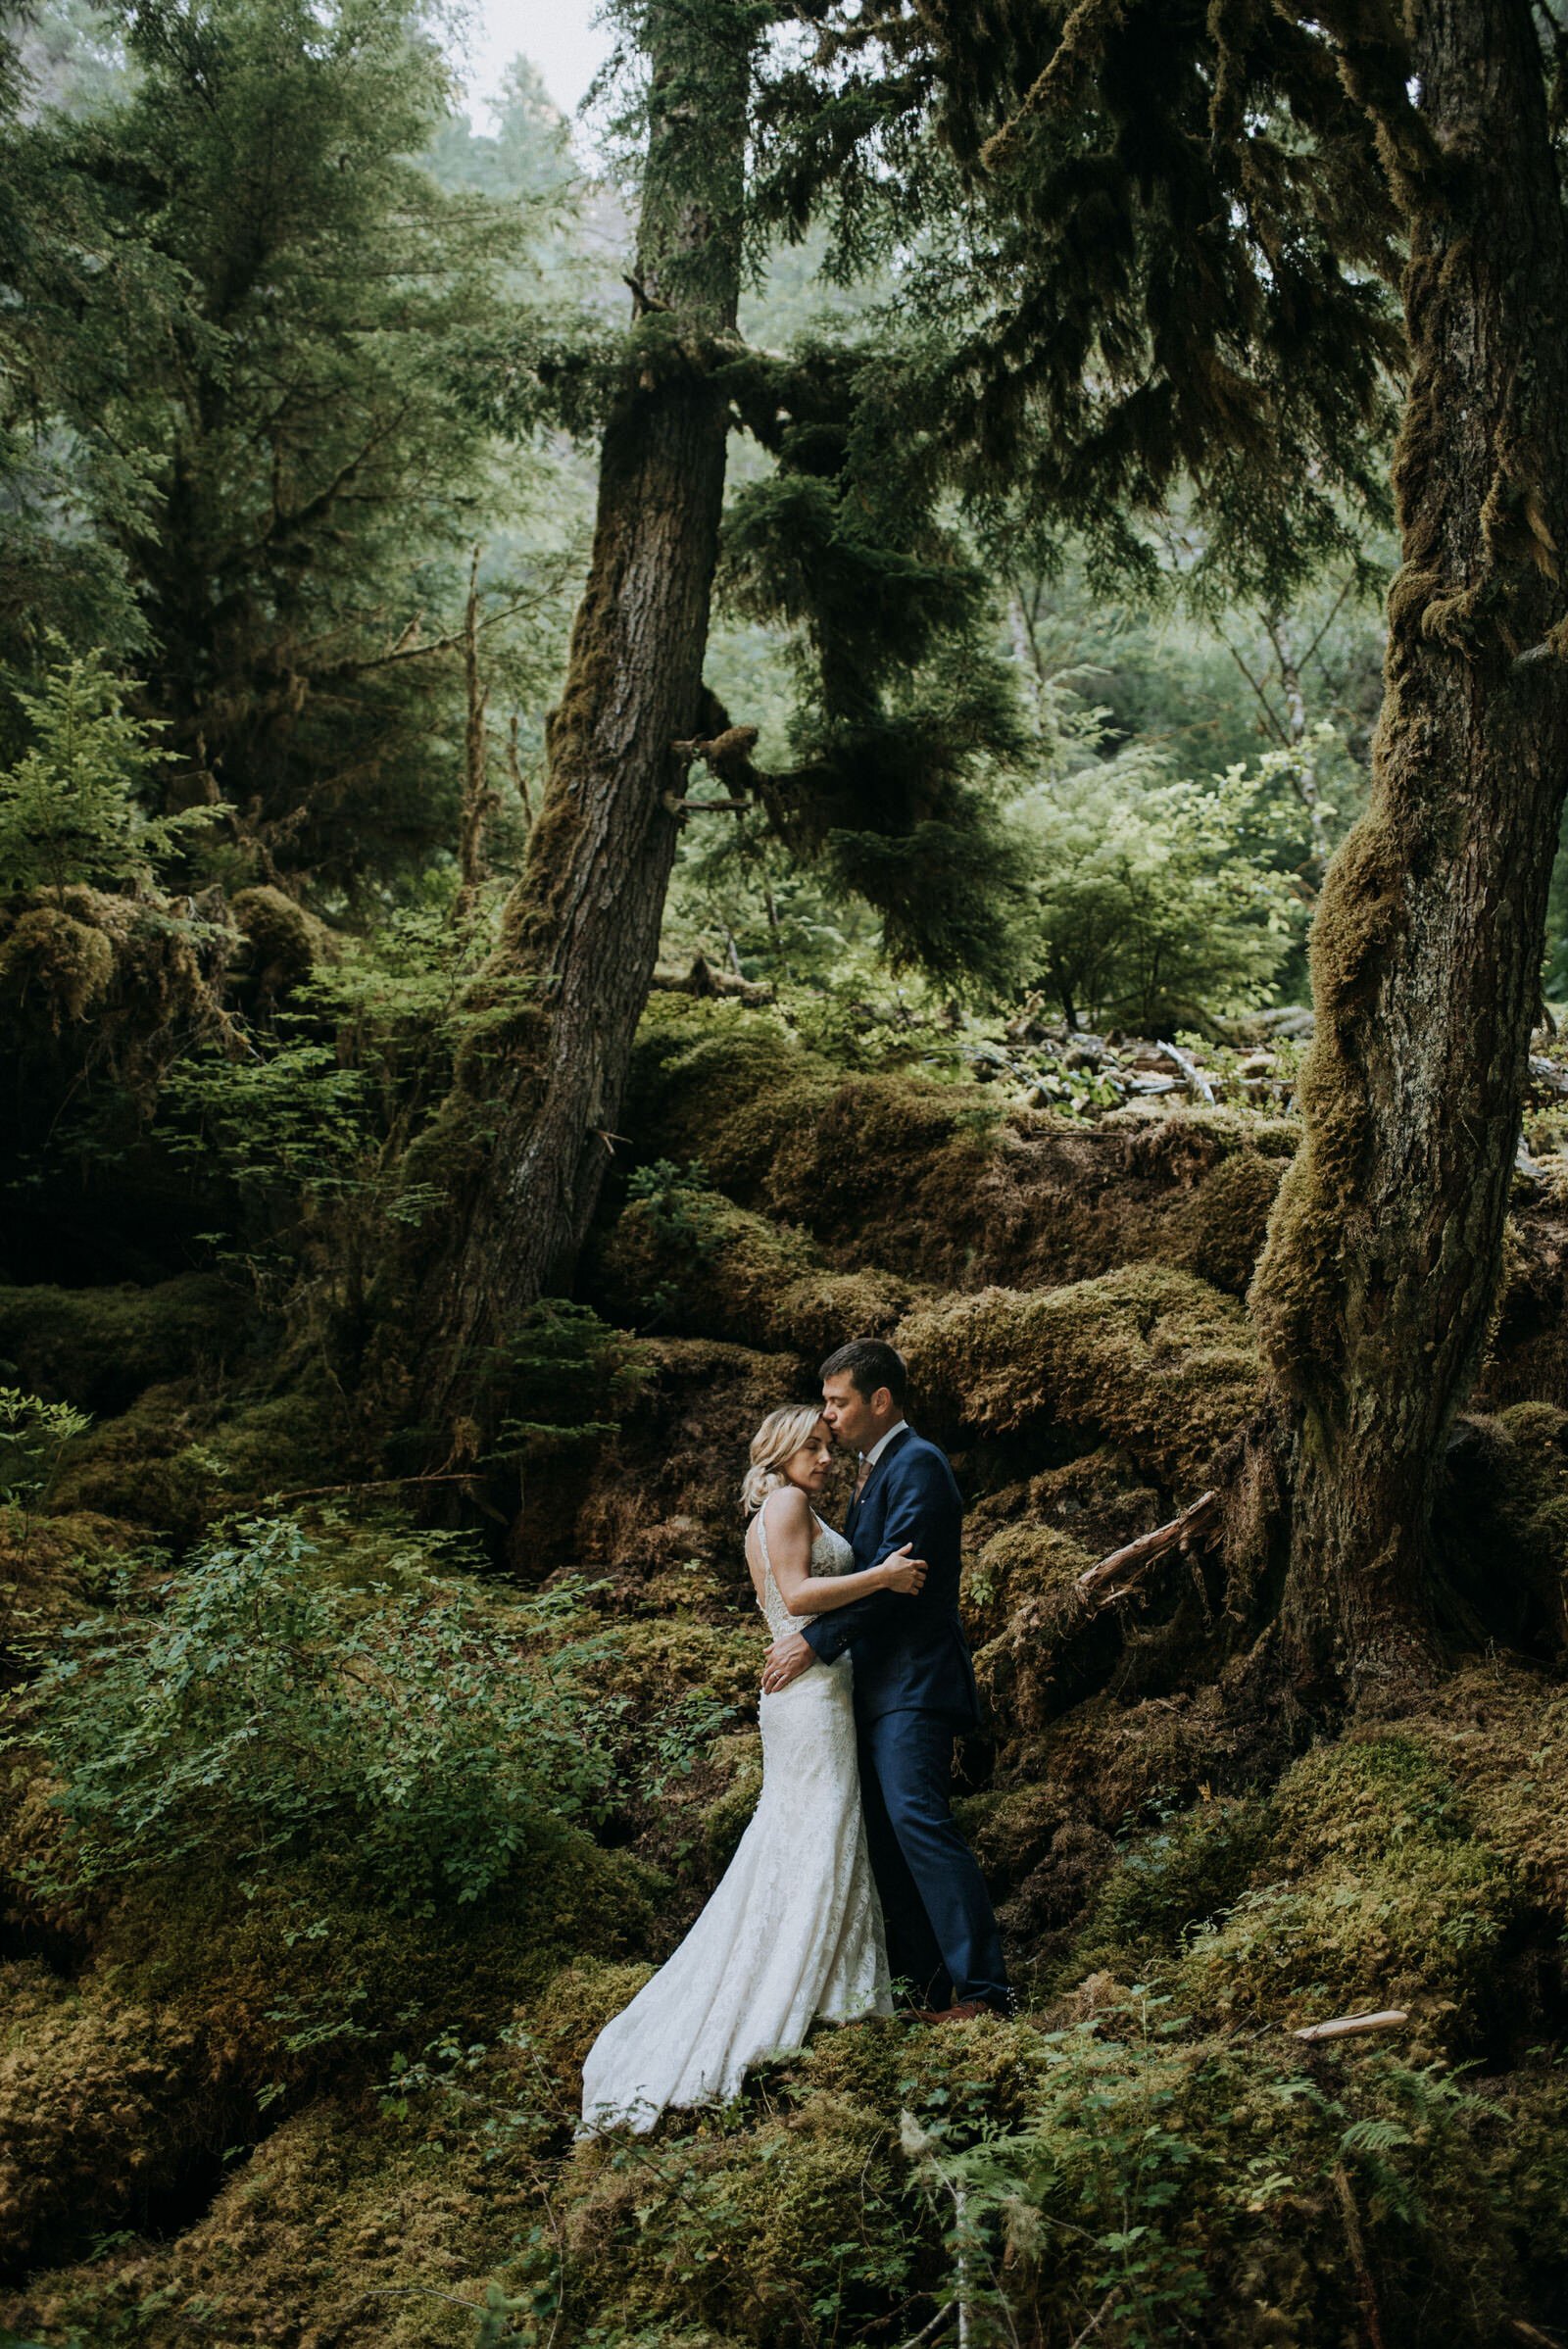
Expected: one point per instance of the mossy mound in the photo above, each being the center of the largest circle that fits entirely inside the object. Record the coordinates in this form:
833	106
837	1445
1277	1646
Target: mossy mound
139	969
95	2098
340	2226
51	1570
722	1272
283	942
99	1348
932	1178
178	1459
1017	1564
53	964
1156	1360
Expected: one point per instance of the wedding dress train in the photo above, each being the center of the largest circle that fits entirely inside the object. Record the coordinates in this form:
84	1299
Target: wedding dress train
793	1932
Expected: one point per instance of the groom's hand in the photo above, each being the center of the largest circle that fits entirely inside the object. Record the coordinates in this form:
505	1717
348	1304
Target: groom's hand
785	1661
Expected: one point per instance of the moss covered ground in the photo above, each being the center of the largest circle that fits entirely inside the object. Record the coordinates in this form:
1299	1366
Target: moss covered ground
297	1969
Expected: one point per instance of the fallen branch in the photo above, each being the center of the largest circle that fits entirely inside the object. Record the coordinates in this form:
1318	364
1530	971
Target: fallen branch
1129	1562
1349	2027
1196	1082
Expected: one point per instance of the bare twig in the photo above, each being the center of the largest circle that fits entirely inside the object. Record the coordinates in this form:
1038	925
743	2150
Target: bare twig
927	2329
375	1484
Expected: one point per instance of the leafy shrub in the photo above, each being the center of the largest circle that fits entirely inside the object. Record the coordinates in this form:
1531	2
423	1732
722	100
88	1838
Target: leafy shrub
1148	906
254	1708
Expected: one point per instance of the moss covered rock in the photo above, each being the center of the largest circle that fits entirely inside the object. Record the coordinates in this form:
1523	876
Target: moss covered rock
95	2097
932	1179
284	943
54	966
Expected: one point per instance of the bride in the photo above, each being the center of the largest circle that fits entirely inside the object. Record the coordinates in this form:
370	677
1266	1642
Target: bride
795	1930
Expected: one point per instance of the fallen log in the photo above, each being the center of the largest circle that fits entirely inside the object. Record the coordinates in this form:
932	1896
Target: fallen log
1123	1566
1349	2027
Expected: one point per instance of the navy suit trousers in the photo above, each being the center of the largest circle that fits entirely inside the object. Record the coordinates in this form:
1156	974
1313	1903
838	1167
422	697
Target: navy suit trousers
942	1931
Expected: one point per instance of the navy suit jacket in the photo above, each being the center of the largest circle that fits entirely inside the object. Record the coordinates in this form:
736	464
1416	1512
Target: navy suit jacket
910	1653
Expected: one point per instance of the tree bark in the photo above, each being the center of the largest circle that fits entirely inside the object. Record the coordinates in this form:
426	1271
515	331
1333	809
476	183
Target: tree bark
479	802
1384	1252
539	1083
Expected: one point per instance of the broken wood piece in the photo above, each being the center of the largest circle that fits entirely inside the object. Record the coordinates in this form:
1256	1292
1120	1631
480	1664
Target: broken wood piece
1195	1079
1136	1555
1346	2027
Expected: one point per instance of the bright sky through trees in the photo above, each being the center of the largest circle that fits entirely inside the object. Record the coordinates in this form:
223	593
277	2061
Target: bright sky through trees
561	36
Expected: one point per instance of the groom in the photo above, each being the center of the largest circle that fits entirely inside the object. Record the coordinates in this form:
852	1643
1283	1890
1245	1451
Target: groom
913	1690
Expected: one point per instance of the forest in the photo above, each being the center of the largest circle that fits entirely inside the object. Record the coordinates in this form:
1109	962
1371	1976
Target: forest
914	693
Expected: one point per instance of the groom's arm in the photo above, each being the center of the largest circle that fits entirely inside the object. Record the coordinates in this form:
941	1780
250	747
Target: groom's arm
913	1507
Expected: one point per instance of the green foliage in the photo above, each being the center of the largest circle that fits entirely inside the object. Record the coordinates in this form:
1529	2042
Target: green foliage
72	805
245	306
559	1380
258	1707
1148	908
33	1434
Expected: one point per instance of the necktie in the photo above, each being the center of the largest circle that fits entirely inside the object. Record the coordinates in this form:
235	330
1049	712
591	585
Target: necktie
862	1472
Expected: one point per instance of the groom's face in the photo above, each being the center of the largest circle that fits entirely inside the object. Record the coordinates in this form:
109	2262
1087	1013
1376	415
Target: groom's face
856	1421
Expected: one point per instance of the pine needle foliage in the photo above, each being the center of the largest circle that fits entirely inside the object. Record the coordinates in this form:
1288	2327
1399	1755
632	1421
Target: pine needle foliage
1158	234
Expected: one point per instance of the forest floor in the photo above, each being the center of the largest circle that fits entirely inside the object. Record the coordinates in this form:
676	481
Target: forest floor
292	2013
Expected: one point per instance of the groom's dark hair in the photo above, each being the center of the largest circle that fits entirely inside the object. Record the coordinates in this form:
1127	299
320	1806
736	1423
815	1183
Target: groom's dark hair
870	1363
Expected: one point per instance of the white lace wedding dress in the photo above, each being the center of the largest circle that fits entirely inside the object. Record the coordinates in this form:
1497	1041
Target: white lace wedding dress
794	1930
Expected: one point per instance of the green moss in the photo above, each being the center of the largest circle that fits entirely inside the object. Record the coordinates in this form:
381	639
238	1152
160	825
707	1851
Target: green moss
51	962
1155	1359
1384	1896
175	1461
725	1273
1173	1877
285	942
95	2096
100	1347
1018	1564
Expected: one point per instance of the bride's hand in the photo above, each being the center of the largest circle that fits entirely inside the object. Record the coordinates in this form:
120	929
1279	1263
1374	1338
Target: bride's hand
902	1572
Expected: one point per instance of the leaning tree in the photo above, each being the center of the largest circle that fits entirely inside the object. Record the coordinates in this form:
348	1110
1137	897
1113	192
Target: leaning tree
844	542
1188	205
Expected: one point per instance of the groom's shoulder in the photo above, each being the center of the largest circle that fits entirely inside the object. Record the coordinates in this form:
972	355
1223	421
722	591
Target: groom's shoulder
917	1455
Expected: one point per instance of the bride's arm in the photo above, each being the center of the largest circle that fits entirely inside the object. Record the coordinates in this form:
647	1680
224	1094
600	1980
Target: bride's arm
789	1526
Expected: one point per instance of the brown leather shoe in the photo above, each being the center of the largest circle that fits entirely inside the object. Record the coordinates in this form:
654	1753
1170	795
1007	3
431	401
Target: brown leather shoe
964	2012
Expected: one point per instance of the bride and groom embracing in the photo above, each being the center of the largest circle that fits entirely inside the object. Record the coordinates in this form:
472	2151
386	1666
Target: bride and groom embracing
853	1872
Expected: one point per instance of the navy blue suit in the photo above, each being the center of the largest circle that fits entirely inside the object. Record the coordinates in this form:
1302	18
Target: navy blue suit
914	1690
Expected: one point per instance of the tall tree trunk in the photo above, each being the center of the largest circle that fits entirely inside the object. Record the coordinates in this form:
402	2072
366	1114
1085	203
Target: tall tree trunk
539	1084
1384	1252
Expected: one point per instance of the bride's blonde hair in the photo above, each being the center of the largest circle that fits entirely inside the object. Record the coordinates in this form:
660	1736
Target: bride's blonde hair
781	1434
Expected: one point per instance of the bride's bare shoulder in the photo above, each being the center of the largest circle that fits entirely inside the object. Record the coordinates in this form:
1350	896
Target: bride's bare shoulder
787	1506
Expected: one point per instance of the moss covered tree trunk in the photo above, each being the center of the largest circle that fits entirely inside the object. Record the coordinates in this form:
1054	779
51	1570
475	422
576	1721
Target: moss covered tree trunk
1383	1256
539	1083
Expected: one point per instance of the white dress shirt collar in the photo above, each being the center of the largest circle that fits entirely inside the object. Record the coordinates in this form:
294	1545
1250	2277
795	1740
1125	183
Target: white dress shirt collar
873	1456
